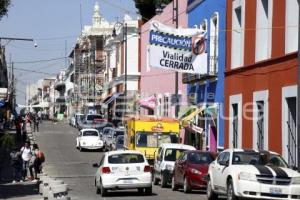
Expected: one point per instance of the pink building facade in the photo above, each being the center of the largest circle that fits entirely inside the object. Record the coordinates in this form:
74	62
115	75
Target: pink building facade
158	82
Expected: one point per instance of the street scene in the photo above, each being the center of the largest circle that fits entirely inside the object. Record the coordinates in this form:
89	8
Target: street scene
152	99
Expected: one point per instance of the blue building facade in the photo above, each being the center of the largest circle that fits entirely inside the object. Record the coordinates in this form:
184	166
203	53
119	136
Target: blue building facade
208	89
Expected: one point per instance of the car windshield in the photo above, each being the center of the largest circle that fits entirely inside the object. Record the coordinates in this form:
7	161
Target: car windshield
126	158
120	140
173	154
117	133
151	139
258	158
200	158
93	117
90	133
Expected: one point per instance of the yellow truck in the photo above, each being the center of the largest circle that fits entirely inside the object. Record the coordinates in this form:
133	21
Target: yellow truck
147	133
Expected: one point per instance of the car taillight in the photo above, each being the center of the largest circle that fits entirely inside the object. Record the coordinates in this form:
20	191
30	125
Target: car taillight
147	168
105	170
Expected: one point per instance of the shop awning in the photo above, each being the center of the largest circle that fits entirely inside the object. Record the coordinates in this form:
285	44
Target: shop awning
112	98
212	111
148	102
193	114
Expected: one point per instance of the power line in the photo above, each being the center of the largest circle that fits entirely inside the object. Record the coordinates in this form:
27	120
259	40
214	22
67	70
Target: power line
39	61
33	71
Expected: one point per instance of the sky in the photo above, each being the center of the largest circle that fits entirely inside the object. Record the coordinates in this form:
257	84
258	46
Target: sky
54	25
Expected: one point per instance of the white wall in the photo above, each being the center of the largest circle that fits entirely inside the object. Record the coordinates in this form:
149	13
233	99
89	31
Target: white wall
237	41
264	16
291	26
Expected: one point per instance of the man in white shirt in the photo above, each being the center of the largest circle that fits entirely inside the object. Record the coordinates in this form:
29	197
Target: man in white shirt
26	155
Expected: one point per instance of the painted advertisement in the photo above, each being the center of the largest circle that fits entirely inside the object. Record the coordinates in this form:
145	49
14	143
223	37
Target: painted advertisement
181	50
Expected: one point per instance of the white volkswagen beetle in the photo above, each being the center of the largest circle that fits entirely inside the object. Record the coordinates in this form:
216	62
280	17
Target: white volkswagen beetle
89	139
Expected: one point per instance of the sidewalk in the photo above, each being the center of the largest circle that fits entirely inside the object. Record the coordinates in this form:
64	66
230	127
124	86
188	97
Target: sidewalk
16	191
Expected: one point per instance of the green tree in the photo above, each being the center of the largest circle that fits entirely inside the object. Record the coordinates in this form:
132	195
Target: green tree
4	4
147	8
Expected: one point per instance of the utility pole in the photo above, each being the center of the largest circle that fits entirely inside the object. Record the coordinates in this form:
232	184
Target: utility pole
125	90
176	9
298	96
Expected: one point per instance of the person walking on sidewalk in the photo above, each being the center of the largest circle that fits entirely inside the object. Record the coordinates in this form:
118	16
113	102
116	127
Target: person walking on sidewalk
16	164
36	123
36	162
26	154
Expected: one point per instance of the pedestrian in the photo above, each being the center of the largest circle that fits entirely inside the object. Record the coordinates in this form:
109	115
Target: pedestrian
16	164
26	154
18	124
36	123
36	162
24	131
40	116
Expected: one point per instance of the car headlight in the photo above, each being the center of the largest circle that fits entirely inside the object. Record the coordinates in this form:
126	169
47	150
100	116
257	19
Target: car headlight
83	143
295	181
99	143
247	176
169	167
195	171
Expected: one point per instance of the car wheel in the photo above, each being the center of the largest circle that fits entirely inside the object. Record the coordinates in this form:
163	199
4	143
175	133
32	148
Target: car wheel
154	179
148	191
140	190
211	195
230	191
174	185
163	180
103	191
186	186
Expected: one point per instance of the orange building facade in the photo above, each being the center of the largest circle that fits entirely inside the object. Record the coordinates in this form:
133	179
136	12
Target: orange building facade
261	76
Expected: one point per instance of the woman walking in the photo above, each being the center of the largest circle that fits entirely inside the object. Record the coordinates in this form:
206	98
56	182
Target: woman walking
26	155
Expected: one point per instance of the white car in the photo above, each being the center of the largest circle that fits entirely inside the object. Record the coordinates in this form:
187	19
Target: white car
123	169
89	139
252	174
165	161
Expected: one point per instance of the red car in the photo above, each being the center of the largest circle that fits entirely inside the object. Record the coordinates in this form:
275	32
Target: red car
191	169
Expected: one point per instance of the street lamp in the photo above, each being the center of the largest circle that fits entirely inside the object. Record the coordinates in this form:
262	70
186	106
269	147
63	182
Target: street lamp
119	25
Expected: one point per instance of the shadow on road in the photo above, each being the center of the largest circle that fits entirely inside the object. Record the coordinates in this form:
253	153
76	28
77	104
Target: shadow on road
18	190
112	193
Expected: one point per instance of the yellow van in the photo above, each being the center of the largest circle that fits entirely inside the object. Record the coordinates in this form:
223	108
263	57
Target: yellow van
147	133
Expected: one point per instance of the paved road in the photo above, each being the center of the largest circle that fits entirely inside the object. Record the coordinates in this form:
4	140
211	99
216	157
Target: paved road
64	161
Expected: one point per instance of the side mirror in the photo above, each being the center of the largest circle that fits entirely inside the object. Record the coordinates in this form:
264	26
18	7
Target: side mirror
96	165
295	168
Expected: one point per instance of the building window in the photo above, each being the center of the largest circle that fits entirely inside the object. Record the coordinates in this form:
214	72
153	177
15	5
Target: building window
263	47
289	125
214	44
291	25
237	41
235	121
166	106
235	124
260	119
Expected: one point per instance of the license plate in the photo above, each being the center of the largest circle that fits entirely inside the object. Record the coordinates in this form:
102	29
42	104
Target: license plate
127	181
275	191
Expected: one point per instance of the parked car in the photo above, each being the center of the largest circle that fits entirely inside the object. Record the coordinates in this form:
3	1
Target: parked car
78	117
110	137
89	139
241	173
165	160
107	135
119	143
191	169
123	170
90	118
